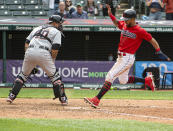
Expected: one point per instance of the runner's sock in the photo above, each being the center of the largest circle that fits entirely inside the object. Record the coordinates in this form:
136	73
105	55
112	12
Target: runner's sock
104	89
133	79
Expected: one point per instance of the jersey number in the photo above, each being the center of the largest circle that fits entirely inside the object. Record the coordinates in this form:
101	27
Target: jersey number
44	33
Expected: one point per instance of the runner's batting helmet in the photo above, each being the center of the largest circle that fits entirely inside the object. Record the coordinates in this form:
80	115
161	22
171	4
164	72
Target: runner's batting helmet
128	14
56	18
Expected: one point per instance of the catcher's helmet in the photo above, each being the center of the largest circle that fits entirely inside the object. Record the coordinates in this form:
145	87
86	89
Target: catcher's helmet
56	18
128	14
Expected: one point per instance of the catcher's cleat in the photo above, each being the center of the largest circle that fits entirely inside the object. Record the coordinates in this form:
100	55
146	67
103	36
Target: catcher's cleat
11	97
94	102
9	100
149	81
64	100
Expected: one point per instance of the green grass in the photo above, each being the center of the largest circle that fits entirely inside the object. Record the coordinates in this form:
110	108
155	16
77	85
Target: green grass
74	94
84	125
80	125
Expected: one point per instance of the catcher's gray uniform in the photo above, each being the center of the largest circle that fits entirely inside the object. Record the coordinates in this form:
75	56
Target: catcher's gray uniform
39	49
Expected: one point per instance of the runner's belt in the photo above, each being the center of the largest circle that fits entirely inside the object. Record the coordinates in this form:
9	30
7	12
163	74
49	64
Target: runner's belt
121	53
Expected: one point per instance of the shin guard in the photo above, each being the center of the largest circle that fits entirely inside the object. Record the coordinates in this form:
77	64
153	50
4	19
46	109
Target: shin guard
18	84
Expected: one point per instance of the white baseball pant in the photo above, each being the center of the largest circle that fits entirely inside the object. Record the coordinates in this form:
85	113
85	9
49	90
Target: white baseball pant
121	68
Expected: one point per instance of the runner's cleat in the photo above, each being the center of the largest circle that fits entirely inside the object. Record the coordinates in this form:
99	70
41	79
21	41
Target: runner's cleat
149	81
94	102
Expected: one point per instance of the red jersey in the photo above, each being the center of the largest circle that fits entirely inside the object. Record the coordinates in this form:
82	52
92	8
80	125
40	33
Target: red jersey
131	37
169	6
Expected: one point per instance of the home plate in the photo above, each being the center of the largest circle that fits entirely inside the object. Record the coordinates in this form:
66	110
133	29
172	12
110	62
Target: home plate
76	108
73	108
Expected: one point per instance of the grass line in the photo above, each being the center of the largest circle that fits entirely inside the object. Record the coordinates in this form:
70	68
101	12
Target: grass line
78	94
80	125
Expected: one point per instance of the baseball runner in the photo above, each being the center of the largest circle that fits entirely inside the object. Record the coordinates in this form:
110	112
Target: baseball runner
41	49
130	40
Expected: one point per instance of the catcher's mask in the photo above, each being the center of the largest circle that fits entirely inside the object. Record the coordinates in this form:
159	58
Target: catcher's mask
56	18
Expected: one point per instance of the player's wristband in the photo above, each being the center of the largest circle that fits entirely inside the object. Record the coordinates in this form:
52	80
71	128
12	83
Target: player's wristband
158	49
112	17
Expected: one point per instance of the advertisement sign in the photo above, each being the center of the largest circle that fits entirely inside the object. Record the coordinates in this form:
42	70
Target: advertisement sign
86	25
71	71
163	66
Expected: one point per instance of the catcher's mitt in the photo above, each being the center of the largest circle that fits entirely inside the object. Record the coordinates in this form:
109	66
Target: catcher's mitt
34	71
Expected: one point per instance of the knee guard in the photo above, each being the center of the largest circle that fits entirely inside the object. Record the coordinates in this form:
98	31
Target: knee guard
18	84
55	77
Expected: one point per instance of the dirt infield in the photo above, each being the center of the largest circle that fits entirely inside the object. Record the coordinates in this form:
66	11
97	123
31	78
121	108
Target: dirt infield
142	110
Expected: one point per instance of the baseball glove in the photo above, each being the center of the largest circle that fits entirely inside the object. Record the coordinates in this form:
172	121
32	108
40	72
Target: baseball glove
34	71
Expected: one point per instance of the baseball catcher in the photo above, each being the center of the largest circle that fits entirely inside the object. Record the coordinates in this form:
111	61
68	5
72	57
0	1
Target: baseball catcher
41	49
